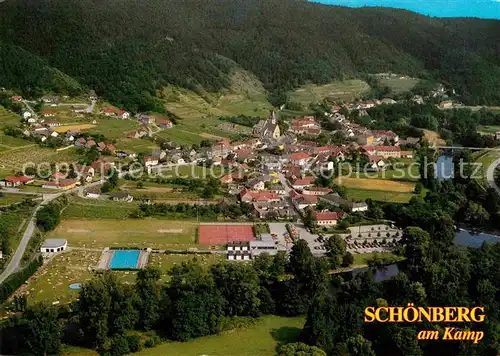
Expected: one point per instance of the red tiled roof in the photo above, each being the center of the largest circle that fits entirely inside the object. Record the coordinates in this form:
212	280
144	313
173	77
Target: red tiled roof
299	155
262	195
18	179
372	158
90	143
163	121
327	215
317	189
109	110
101	145
81	140
111	147
382	148
303	181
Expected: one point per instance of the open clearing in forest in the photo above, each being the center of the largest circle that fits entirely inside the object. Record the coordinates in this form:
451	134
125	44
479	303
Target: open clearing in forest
346	90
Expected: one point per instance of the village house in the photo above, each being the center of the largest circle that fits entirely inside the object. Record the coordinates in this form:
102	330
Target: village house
123	114
446	104
103	165
62	184
81	142
121	196
384	151
146	119
384	135
221	148
16	98
316	191
247	196
93	194
336	200
26	115
305	126
90	144
271	209
327	218
16	181
301	183
276	188
376	162
299	158
255	184
150	161
303	201
85	172
406	154
108	111
47	113
164	123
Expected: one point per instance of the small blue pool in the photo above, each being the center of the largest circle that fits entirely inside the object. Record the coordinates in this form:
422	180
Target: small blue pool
75	286
125	259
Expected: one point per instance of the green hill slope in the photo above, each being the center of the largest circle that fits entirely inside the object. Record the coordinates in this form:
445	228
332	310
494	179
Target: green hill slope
129	49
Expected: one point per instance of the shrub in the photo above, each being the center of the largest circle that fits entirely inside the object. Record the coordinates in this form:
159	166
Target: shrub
134	343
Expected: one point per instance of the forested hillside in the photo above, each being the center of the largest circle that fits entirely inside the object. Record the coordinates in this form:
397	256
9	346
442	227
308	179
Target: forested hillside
128	49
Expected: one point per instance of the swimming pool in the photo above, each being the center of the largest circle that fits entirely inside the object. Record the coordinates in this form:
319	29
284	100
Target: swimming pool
125	259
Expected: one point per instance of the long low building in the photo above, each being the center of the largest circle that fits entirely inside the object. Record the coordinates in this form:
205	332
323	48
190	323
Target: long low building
54	245
337	200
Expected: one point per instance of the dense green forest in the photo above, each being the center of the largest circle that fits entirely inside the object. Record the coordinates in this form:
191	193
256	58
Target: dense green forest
126	50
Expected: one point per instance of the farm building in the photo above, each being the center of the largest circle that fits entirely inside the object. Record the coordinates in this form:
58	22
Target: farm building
16	181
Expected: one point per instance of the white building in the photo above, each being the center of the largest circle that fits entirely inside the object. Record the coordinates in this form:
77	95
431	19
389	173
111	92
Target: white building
54	245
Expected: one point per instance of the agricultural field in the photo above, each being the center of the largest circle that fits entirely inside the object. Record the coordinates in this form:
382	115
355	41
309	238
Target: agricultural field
194	171
75	127
259	339
380	195
376	184
154	233
398	85
408	172
8	199
165	262
343	91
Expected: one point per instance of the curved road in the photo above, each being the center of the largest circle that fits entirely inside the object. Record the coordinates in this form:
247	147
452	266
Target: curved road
15	260
490	175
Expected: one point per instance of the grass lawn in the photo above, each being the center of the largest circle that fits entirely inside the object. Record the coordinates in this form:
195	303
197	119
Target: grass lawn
406	173
380	195
488	129
98	209
13	142
361	259
485	158
165	262
260	339
154	233
376	184
342	90
51	282
399	85
8	118
114	128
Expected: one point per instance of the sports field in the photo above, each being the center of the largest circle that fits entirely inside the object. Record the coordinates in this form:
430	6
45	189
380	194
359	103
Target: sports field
259	339
222	234
346	90
376	184
127	233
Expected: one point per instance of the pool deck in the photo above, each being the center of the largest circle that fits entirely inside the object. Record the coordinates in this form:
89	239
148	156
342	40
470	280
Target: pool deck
107	256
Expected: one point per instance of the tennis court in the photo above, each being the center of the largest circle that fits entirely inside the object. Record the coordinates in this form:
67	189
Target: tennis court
223	234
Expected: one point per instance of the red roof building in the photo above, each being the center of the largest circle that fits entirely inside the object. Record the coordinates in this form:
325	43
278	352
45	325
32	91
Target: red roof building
91	143
247	196
327	218
17	98
15	181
